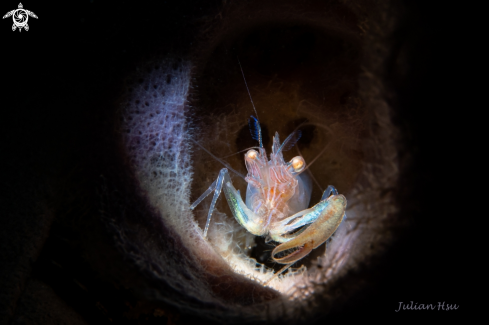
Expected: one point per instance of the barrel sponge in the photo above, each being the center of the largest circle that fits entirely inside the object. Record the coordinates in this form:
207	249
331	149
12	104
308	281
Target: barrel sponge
155	132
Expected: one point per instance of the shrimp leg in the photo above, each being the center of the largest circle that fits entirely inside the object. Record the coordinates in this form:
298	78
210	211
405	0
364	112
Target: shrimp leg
216	187
245	217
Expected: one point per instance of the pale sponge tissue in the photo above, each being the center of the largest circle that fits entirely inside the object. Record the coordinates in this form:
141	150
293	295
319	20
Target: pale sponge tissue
155	130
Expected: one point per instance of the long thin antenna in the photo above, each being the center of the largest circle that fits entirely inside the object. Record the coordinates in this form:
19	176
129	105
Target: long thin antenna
248	89
218	159
240	152
322	151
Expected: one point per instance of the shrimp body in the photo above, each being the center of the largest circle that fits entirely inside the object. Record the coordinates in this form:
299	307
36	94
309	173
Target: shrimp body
275	189
277	198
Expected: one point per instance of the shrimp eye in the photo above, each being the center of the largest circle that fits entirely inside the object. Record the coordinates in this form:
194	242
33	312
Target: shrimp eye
298	164
252	154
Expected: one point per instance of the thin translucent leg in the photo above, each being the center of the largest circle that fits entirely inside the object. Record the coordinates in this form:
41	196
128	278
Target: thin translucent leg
327	193
203	196
216	187
217	191
282	270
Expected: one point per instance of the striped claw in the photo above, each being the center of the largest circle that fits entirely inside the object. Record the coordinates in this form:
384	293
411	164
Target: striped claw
323	220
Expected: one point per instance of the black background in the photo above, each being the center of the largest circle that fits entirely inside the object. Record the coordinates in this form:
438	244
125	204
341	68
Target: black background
57	77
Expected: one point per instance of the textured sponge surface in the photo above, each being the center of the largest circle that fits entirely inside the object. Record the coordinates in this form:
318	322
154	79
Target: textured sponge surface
155	132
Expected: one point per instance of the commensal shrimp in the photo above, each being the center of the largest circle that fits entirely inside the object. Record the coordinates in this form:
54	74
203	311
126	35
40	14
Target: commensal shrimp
277	201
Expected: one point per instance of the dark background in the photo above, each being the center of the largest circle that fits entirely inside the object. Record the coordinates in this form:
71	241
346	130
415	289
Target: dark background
58	77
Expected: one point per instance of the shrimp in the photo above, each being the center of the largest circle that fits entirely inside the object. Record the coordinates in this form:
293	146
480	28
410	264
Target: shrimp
277	199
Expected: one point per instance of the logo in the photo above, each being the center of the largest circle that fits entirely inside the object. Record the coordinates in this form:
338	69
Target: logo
20	17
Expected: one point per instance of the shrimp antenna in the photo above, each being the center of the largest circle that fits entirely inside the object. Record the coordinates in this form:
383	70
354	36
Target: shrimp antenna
218	159
255	130
254	122
290	141
240	152
251	99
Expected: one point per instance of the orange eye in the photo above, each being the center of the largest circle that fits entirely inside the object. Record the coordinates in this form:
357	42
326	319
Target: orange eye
298	163
252	154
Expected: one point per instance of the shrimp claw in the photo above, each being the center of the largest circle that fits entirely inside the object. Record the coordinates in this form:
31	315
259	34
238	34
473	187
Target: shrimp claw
318	222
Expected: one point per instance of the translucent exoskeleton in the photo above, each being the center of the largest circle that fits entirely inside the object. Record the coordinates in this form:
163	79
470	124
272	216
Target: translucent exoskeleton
277	201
